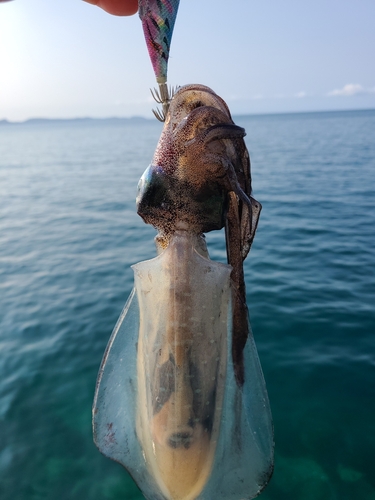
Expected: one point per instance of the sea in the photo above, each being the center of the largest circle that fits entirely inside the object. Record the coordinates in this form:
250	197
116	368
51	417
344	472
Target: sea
69	233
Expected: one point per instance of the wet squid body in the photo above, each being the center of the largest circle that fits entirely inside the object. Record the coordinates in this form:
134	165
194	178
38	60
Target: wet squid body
181	400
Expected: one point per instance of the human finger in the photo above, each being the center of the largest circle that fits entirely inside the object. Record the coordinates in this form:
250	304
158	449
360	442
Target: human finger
116	7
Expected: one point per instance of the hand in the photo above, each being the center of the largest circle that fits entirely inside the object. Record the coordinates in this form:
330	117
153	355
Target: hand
116	7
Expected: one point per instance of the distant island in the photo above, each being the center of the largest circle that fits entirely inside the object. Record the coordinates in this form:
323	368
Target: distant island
51	121
141	119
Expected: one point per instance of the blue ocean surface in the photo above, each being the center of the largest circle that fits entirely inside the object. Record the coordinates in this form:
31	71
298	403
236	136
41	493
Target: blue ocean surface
69	233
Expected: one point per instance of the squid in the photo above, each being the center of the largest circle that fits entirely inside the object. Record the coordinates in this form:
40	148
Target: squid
181	400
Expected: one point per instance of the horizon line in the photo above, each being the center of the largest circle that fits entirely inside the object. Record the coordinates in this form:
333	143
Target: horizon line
5	121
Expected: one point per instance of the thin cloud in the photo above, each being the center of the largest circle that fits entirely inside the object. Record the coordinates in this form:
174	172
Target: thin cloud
351	89
254	97
301	94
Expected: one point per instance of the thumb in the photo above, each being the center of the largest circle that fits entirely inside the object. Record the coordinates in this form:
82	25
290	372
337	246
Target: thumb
116	7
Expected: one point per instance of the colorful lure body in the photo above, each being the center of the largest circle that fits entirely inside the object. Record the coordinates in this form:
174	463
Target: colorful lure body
158	18
181	400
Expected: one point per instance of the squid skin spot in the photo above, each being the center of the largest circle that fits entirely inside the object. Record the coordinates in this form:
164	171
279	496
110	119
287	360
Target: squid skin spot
180	439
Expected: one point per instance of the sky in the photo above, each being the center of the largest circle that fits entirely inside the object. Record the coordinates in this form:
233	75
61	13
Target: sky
67	59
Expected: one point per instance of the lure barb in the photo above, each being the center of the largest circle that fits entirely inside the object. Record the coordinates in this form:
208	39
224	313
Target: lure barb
162	96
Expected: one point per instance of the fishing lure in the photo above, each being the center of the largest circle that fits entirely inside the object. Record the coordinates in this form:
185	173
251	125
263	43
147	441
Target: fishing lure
158	18
181	400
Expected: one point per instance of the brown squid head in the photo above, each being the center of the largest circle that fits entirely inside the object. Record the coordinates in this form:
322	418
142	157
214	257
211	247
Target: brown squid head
201	157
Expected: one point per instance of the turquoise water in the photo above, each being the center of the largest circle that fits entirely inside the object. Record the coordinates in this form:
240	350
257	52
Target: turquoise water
68	235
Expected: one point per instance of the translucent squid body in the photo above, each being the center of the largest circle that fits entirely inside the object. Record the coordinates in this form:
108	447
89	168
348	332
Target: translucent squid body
181	400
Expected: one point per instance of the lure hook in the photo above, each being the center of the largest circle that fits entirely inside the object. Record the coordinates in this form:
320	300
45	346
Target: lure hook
162	96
